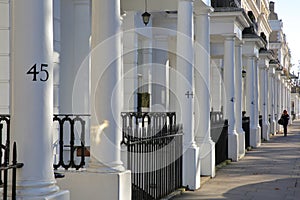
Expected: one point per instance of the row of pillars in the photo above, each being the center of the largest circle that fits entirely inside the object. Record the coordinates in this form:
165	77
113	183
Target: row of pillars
192	84
32	92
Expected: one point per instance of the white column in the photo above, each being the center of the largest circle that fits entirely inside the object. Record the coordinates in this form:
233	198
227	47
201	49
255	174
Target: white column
290	102
185	92
106	101
296	106
251	102
271	92
229	77
202	91
256	98
32	98
106	105
263	101
266	122
279	97
238	97
216	84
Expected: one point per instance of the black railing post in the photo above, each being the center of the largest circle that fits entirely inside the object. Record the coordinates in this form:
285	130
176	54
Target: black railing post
15	165
5	165
1	154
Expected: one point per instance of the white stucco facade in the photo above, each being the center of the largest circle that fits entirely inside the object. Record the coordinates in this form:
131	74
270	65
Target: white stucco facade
193	58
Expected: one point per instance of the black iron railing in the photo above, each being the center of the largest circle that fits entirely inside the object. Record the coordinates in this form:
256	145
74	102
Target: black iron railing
246	128
154	153
216	116
260	121
5	166
226	3
69	124
4	138
219	134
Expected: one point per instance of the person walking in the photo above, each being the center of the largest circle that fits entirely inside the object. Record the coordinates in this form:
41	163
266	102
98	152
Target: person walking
285	117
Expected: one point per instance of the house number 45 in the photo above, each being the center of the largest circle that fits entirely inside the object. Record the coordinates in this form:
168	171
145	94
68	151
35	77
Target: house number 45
41	71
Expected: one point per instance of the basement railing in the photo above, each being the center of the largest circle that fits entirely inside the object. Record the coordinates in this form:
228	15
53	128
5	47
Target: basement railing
219	134
154	153
4	158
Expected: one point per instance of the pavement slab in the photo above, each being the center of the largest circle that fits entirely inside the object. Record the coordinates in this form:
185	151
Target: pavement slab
271	171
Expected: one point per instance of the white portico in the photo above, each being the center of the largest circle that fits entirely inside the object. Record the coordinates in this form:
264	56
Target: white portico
251	52
272	97
226	33
202	81
178	66
265	57
97	57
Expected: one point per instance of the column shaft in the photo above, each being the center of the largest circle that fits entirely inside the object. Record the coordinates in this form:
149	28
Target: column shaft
106	87
238	97
184	67
32	97
251	101
185	92
202	91
229	79
271	93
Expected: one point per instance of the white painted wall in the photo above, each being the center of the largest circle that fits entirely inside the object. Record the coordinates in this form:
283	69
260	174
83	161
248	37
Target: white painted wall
4	57
72	31
75	34
216	84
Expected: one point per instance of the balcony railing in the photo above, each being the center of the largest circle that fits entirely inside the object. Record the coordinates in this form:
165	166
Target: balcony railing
226	3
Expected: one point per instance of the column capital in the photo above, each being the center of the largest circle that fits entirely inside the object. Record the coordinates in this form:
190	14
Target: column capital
239	43
263	66
202	10
251	56
229	36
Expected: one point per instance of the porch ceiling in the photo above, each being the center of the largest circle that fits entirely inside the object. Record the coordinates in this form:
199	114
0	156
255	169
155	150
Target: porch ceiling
156	5
152	5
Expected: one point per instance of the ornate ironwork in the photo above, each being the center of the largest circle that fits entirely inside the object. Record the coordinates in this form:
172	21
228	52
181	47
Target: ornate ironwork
70	119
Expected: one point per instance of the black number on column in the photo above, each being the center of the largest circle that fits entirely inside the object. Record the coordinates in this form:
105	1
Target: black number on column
43	69
34	72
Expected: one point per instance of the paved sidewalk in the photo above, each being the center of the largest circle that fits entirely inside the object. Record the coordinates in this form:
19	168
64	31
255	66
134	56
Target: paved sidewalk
271	171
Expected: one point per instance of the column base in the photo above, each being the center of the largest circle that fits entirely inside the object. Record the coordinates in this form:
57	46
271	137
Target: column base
266	132
242	145
60	195
40	190
233	146
255	137
191	168
207	157
89	185
273	127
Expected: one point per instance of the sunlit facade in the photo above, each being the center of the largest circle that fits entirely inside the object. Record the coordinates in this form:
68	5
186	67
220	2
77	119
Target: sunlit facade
98	59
